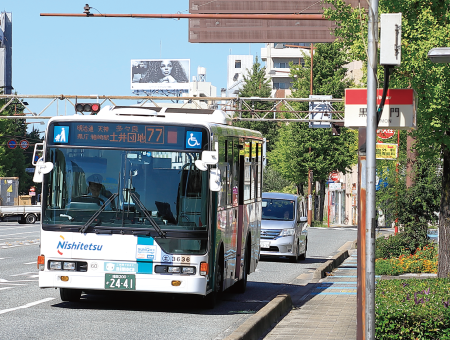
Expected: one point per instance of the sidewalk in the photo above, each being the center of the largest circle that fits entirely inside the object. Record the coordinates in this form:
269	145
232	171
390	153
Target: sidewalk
327	312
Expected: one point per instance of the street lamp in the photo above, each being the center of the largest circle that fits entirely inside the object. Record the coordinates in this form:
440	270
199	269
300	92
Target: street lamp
439	55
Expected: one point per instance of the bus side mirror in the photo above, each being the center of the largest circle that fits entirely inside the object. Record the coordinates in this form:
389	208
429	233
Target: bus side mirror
208	158
214	180
41	169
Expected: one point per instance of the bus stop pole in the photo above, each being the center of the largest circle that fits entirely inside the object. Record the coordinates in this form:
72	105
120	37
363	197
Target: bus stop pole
371	168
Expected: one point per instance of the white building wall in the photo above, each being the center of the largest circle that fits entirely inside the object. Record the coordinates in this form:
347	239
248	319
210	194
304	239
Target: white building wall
238	67
277	57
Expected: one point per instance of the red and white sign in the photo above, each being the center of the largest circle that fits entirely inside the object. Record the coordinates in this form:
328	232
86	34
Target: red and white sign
385	134
399	111
334	176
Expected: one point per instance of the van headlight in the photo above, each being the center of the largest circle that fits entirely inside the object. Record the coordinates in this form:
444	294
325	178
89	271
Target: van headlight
287	232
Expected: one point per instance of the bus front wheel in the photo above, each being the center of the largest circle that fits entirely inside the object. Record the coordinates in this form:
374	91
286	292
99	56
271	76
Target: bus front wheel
71	295
210	300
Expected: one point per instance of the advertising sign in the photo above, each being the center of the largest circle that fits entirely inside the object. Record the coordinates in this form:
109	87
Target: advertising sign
160	74
386	151
385	134
399	112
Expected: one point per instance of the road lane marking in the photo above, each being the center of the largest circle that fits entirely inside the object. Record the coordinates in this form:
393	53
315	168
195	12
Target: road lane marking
31	262
12	284
24	274
14	228
28	305
28	232
3	288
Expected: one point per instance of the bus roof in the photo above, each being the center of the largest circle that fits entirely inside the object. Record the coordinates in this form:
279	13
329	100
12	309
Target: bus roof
218	121
144	114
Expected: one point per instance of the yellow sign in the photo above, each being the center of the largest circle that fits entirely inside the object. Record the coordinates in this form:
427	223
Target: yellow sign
386	151
9	188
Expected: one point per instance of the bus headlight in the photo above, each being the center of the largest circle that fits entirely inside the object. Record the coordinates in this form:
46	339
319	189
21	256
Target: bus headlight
69	266
54	265
173	270
189	270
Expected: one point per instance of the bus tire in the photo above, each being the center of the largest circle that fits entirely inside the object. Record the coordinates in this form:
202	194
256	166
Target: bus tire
30	219
211	299
71	295
241	285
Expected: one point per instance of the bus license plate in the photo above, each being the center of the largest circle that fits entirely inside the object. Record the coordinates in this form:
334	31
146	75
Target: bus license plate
265	244
120	281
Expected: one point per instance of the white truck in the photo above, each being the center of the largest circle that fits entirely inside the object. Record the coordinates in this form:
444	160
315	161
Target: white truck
20	213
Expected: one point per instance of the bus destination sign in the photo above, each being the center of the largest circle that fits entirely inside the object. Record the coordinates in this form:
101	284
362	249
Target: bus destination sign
126	135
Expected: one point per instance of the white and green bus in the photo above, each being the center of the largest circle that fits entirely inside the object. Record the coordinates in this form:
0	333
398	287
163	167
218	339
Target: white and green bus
149	199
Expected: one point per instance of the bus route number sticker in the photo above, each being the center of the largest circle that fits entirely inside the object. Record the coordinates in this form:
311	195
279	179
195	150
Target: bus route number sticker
120	281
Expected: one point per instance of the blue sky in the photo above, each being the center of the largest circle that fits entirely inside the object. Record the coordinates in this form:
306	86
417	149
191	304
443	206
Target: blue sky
84	56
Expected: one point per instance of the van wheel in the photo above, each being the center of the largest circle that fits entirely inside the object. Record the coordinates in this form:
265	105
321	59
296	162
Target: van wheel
294	259
71	295
303	256
31	218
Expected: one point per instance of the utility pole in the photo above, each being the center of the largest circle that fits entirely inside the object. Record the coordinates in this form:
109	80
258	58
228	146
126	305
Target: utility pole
310	173
372	123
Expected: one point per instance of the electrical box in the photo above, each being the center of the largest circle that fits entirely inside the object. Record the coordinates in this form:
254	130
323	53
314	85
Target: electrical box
391	39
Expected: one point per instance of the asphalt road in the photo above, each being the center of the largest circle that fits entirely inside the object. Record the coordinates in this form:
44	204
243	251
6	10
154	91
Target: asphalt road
27	312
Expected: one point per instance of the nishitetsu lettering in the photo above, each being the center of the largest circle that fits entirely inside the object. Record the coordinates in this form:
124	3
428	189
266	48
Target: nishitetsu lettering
79	246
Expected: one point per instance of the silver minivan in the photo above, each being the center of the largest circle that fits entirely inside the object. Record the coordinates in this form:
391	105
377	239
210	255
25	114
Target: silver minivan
284	227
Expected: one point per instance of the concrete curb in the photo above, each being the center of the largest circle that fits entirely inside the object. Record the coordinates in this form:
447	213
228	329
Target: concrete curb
331	264
258	323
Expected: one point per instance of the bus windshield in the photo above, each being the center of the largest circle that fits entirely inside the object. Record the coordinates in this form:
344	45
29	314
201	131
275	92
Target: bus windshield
160	194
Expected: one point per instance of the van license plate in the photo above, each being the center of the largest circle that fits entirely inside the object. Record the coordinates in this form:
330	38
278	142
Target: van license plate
120	281
265	244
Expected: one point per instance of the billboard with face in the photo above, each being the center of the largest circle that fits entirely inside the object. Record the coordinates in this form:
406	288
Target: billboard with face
160	74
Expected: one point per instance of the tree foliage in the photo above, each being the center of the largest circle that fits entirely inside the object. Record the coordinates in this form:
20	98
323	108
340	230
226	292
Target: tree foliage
275	182
425	25
299	147
14	161
257	85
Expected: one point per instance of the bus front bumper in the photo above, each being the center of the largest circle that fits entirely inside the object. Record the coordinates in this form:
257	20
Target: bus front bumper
178	284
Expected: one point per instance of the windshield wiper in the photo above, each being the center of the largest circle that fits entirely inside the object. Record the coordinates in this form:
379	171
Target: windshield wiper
151	220
98	212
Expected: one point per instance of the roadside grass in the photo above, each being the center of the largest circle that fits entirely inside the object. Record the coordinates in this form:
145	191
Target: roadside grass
412	309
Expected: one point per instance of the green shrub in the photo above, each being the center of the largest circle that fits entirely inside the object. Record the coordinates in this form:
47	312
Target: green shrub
391	247
424	260
412	309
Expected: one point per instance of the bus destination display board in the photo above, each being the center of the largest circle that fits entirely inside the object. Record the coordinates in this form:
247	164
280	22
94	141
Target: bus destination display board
122	135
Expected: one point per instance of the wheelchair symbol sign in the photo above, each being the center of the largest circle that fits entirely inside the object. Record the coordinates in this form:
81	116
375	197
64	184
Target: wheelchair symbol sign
193	140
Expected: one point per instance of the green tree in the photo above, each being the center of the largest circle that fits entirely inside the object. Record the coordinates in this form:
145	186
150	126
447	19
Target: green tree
299	147
12	161
275	182
257	85
425	24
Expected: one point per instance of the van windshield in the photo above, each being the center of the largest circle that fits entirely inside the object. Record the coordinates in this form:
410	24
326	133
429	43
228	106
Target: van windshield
277	209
